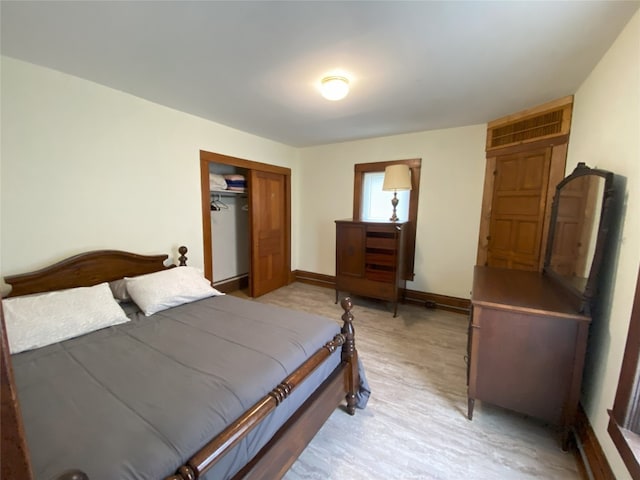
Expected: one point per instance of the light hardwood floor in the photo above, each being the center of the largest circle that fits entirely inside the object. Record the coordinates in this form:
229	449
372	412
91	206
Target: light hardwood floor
415	424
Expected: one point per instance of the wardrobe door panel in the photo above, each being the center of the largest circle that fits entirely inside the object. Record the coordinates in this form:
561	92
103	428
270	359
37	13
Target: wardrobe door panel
269	233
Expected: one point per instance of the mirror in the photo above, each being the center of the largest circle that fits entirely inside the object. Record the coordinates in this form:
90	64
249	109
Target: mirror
579	224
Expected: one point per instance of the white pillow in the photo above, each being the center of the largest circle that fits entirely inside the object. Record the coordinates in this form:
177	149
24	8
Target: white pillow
34	321
158	291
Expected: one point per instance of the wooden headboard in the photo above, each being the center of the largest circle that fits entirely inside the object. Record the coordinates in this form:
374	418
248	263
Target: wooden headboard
83	270
87	269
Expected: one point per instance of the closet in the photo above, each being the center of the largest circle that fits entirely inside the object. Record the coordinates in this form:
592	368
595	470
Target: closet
246	234
229	212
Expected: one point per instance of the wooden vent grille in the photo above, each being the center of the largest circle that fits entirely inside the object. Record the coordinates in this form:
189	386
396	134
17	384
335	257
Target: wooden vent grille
531	128
543	122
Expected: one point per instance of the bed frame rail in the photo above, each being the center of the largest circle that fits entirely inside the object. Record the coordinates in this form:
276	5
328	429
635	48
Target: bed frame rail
220	445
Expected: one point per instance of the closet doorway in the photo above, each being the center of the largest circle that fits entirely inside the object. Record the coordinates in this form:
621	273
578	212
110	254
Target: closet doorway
260	242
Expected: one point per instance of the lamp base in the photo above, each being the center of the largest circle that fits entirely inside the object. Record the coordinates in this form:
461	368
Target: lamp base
394	202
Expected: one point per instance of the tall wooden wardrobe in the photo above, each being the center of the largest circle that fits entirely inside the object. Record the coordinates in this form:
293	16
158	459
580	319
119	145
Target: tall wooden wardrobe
267	205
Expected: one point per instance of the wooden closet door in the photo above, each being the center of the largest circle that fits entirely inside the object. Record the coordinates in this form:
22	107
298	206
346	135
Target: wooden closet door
269	233
518	208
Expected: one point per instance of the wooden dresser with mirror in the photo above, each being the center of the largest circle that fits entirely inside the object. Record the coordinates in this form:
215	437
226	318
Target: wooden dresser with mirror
528	330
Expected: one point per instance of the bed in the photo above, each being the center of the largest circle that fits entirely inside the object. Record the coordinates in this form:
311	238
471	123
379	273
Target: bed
181	393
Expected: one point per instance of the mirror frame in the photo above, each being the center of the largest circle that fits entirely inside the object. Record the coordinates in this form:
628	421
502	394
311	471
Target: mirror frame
587	298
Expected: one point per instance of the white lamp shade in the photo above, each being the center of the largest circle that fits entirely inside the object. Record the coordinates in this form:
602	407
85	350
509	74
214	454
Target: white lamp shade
397	177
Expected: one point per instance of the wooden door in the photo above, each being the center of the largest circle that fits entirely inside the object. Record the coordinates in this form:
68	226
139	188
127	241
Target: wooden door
525	151
269	232
518	209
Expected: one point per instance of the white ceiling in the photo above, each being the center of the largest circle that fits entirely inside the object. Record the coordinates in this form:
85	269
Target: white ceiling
255	66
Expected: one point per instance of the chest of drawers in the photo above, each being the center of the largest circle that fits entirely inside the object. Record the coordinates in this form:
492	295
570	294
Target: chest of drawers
370	259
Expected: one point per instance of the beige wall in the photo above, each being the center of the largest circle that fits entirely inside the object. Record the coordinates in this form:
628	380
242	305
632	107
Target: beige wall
83	163
605	133
451	182
88	167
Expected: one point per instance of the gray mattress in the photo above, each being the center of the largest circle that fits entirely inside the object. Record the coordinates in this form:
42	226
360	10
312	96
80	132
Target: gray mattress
135	401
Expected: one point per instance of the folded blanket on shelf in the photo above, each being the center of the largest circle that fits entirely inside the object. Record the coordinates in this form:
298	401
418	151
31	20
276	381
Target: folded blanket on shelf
217	182
236	182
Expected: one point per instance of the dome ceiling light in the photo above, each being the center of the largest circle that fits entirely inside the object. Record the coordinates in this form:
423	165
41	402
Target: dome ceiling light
334	87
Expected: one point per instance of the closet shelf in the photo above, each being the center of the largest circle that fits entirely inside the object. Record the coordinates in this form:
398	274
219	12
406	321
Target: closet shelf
228	193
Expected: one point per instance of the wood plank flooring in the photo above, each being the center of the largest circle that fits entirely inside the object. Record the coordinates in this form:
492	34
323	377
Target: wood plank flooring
415	424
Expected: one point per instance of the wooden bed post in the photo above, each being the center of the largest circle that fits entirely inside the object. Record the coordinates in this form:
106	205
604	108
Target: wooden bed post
350	355
15	455
182	259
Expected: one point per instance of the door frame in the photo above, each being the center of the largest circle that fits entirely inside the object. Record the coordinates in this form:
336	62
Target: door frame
206	158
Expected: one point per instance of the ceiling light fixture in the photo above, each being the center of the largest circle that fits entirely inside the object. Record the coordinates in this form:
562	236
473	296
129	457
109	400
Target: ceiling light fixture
334	87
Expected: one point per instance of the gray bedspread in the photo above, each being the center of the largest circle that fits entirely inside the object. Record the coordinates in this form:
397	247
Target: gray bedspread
135	401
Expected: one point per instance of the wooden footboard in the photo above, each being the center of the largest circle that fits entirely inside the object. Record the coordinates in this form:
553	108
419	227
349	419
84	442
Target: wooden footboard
345	376
276	456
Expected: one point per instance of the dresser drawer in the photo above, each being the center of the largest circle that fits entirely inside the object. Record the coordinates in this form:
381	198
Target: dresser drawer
368	288
386	259
385	243
380	275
